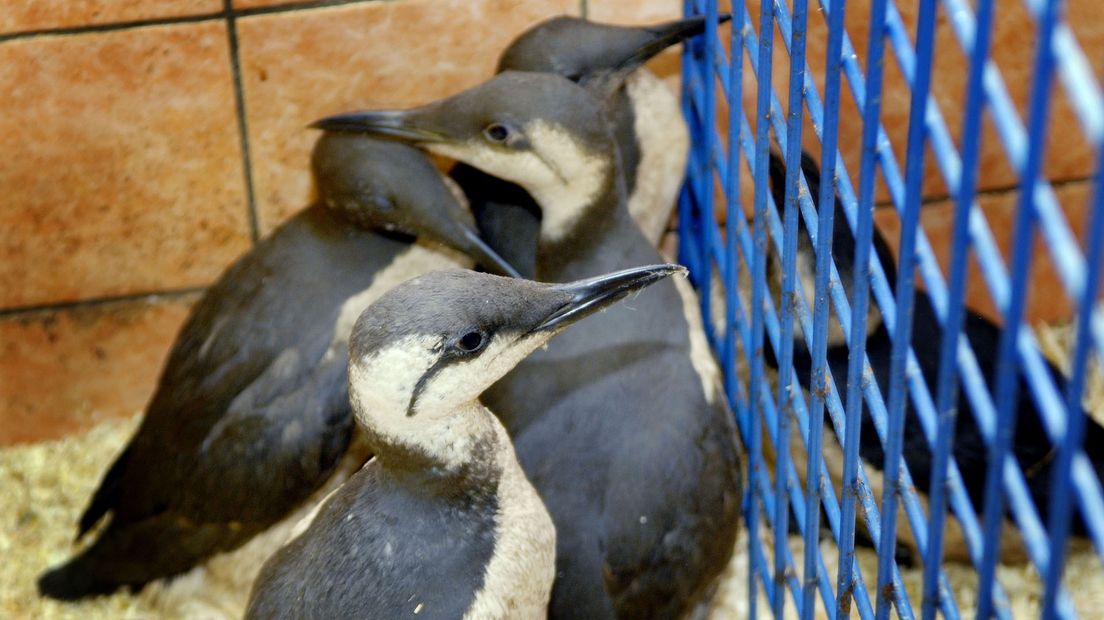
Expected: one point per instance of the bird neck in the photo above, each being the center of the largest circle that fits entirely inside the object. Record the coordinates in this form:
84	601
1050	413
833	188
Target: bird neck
570	217
606	240
460	446
583	181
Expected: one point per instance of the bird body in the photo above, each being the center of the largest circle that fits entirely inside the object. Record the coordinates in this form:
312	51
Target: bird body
391	544
621	403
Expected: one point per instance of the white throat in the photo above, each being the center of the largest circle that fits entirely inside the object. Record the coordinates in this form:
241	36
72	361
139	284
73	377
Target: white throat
380	390
562	176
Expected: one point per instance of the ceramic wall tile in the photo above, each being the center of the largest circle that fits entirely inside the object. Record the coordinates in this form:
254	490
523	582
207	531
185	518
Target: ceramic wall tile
123	165
24	15
299	66
66	370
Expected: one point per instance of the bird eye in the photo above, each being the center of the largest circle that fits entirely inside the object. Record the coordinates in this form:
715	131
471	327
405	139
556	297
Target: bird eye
382	203
497	132
471	342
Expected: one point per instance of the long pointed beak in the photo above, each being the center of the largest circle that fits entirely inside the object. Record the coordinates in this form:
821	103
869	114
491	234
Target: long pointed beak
394	124
666	35
591	295
487	257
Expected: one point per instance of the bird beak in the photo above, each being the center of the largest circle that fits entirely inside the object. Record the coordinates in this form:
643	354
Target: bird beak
662	36
486	256
630	47
402	125
593	294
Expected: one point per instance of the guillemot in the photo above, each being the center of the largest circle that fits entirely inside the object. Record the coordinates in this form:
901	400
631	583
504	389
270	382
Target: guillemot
443	523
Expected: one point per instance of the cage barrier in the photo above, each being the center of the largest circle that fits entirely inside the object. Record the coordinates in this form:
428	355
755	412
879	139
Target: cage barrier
752	320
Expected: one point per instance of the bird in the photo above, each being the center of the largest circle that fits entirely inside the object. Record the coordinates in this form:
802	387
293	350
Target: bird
251	415
1031	444
651	135
843	244
619	423
443	522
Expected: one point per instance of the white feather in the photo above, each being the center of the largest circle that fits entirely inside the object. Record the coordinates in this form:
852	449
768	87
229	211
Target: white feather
664	147
562	176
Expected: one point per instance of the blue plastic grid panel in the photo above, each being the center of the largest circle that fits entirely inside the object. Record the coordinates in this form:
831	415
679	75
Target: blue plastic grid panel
796	510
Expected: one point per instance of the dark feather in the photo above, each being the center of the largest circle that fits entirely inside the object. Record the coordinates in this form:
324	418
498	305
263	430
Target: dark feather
250	415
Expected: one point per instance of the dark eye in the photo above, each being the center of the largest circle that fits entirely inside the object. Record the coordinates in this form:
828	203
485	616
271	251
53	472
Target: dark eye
471	342
497	132
382	203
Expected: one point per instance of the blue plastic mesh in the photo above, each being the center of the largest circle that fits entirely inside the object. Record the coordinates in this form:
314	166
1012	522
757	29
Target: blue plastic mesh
728	264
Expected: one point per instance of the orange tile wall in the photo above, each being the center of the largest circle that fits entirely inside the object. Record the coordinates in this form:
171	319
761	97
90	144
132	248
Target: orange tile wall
148	144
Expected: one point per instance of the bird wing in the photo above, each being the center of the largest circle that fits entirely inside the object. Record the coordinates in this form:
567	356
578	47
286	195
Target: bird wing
660	563
208	438
248	357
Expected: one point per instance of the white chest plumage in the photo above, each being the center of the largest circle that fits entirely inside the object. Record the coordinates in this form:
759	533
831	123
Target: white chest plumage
664	143
701	357
517	582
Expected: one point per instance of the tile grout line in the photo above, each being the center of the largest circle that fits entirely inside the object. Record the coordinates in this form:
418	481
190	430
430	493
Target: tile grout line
304	5
290	7
19	311
109	27
243	126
